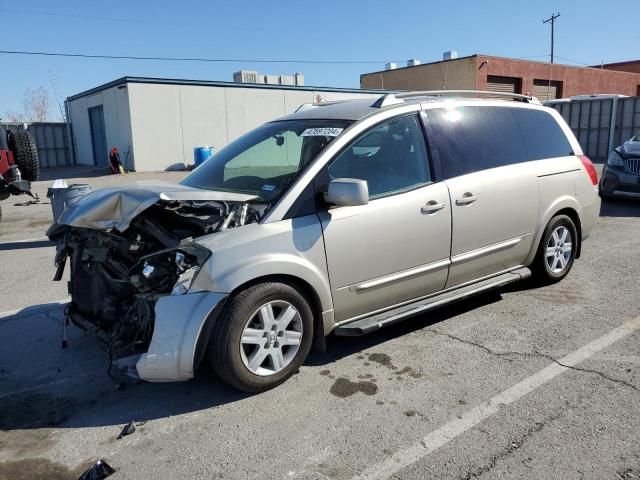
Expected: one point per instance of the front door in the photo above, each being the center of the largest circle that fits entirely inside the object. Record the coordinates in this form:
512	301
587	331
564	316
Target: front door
395	248
98	136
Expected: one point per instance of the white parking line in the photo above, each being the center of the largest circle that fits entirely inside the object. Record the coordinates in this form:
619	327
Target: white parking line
448	432
603	357
35	309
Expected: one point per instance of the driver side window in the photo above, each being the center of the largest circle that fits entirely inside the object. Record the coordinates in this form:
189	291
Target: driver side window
391	157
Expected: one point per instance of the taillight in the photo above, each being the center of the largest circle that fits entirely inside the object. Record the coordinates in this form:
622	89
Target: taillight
591	170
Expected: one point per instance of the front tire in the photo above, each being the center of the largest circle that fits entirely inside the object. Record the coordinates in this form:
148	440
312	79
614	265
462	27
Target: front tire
262	337
557	250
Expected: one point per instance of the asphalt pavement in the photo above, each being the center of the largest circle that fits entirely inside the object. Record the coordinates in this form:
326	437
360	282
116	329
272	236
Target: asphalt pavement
538	383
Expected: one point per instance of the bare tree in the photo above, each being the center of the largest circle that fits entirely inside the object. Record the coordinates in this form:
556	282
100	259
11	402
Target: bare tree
36	107
36	104
14	117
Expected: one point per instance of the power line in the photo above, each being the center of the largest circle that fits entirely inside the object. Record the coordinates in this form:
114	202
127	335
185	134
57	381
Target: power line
193	59
230	60
574	61
71	15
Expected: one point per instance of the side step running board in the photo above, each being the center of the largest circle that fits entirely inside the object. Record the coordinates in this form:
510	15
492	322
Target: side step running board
377	321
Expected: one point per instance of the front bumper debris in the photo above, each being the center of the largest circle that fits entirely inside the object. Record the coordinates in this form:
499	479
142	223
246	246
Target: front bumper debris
183	324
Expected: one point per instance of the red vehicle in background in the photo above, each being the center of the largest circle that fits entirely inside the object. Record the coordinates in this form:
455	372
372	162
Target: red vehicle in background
18	164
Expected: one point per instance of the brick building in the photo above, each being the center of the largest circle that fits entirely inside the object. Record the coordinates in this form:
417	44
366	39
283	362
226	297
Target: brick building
484	72
632	66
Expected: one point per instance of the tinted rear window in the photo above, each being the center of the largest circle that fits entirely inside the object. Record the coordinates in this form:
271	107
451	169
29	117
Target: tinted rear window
466	139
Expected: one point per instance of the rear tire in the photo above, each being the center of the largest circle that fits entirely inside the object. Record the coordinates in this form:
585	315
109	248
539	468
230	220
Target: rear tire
557	250
262	337
25	154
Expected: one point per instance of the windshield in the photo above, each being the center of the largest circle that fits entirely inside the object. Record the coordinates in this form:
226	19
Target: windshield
266	160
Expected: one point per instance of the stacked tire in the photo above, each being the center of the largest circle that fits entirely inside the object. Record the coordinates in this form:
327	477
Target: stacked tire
25	154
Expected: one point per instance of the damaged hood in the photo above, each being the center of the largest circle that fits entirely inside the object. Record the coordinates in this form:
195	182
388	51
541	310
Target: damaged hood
115	207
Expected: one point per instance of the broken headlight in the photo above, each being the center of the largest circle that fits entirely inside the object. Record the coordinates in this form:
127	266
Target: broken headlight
169	271
188	262
184	281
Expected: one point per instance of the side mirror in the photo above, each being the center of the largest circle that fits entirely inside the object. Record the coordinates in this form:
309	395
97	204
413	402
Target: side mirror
346	192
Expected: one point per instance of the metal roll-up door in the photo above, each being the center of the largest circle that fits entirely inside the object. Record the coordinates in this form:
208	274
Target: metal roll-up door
503	84
544	90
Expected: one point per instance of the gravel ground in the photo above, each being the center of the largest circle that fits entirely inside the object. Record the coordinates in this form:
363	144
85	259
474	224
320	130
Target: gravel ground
473	390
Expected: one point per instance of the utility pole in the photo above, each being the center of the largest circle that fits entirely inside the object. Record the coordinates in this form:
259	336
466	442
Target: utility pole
552	20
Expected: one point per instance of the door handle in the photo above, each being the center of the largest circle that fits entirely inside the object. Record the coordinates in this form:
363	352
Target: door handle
432	207
466	199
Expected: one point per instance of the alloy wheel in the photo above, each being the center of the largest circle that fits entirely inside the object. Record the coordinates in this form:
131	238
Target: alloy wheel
271	338
559	249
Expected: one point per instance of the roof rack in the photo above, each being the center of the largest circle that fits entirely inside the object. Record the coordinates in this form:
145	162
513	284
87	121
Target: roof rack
308	106
394	98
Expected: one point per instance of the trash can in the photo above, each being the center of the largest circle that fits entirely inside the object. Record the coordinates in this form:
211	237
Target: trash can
201	154
62	196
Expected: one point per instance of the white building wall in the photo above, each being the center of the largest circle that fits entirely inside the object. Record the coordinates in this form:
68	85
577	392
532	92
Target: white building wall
115	104
79	115
204	119
156	125
163	123
293	99
117	123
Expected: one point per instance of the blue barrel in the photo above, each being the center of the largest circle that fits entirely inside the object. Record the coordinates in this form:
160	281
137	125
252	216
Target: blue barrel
201	154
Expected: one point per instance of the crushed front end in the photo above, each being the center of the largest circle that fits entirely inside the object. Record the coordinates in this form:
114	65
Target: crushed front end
129	247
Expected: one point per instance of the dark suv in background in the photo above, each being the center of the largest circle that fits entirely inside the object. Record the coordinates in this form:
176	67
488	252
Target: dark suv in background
621	173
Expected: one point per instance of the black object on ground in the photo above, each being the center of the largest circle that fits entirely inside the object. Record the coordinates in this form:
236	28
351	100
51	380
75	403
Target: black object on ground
128	429
97	471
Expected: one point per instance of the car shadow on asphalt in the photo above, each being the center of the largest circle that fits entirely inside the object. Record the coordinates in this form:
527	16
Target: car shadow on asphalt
340	347
620	207
25	245
44	386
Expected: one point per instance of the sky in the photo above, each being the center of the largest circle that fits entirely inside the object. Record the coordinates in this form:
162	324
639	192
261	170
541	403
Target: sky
587	32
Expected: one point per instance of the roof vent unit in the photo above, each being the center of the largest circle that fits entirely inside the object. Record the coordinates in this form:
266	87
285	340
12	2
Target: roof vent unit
247	76
287	80
390	66
450	55
413	62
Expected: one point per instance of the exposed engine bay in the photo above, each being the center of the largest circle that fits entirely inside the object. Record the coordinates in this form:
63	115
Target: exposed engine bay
117	276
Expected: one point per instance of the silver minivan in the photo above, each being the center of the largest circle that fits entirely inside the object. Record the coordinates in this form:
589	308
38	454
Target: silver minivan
343	217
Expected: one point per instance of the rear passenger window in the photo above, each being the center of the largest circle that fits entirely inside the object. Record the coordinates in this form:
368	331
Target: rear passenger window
471	138
542	134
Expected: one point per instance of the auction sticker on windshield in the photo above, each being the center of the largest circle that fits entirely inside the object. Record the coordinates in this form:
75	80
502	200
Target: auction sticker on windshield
322	132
